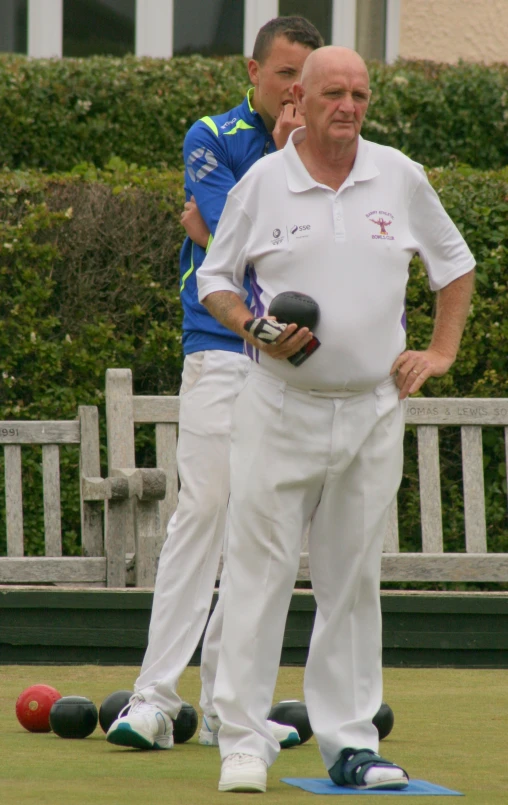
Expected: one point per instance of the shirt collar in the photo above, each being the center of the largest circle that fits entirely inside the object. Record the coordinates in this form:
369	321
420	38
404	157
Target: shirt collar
250	95
250	113
298	177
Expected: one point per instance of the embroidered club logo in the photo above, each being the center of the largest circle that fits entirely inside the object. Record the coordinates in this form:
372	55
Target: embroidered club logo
383	220
278	237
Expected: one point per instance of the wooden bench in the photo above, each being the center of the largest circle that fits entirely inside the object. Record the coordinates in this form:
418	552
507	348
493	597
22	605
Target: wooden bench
103	560
124	411
88	569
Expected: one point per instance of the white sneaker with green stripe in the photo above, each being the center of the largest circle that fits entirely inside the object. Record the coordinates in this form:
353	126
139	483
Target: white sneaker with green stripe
141	725
286	735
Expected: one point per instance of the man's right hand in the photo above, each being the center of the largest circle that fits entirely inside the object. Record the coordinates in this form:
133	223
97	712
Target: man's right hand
194	224
288	120
287	344
231	311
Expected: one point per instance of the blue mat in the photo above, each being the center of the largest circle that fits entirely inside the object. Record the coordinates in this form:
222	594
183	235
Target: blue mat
414	789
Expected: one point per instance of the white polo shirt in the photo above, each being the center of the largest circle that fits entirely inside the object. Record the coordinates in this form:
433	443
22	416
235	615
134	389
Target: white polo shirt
350	250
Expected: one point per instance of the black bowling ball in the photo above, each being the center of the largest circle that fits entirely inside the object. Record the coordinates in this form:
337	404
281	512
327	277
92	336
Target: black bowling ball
73	717
186	723
112	706
384	720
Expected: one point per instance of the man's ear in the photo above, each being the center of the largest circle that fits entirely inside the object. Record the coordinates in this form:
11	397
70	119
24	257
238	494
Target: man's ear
298	92
253	71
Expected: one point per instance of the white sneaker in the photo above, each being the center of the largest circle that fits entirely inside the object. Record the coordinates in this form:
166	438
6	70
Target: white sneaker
209	734
286	735
243	773
144	726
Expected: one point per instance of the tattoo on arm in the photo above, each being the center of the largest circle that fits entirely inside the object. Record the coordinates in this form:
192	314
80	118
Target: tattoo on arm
228	309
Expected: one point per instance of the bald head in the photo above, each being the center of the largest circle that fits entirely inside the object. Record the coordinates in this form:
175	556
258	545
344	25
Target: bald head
332	60
333	96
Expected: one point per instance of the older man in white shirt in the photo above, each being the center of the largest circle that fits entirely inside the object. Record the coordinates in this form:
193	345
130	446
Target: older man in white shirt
339	219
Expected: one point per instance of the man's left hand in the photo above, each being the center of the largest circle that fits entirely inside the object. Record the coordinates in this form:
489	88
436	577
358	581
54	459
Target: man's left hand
412	369
194	224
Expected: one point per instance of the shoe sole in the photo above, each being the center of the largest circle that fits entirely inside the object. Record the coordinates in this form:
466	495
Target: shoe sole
124	735
293	739
207	738
243	787
390	785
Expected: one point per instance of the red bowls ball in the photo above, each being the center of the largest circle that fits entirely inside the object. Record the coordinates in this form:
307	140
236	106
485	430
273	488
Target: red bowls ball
33	706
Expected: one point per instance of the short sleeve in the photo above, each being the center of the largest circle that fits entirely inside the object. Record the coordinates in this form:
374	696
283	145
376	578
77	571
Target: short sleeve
442	248
208	176
223	268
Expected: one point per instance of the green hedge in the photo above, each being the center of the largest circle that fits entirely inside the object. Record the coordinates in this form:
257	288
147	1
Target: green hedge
89	280
55	113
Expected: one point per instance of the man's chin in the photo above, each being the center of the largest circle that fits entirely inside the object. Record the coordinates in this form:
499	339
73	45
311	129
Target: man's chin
346	131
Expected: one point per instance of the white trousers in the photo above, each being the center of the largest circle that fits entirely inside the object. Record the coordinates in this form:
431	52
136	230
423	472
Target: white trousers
190	556
338	462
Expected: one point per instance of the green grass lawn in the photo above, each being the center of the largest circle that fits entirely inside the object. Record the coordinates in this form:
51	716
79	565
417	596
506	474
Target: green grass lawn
451	728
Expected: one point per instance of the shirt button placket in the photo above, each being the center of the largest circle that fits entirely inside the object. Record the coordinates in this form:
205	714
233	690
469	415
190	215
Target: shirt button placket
338	220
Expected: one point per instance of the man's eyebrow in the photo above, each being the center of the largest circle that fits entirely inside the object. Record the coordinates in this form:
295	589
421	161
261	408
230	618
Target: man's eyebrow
342	87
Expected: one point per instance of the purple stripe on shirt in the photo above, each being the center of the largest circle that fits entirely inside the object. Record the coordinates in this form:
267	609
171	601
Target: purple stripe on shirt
256	305
251	351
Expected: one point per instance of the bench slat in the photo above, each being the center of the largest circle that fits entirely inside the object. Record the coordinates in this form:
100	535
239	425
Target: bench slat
51	486
13	500
15	432
506	454
457	567
391	541
156	409
92	539
430	489
121	446
165	440
45	569
456	411
474	491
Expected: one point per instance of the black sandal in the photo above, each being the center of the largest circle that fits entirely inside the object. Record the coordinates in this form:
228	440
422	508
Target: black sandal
353	765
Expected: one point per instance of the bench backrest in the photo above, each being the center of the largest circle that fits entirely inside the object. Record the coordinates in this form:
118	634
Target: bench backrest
476	563
125	410
90	568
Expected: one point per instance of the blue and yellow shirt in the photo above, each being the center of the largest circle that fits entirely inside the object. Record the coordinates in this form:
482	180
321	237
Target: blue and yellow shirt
217	152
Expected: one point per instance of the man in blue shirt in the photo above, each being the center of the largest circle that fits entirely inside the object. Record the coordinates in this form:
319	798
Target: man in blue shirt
218	151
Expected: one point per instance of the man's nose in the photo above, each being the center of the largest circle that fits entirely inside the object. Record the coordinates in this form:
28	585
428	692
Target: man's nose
346	103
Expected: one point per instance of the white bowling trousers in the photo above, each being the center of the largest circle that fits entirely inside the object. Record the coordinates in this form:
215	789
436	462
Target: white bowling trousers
189	559
296	456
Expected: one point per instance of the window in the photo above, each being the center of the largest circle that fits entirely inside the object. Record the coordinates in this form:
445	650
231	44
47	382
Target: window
371	28
98	27
13	26
319	12
214	28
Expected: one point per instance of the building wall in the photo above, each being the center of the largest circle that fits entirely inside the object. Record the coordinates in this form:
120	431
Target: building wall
448	30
